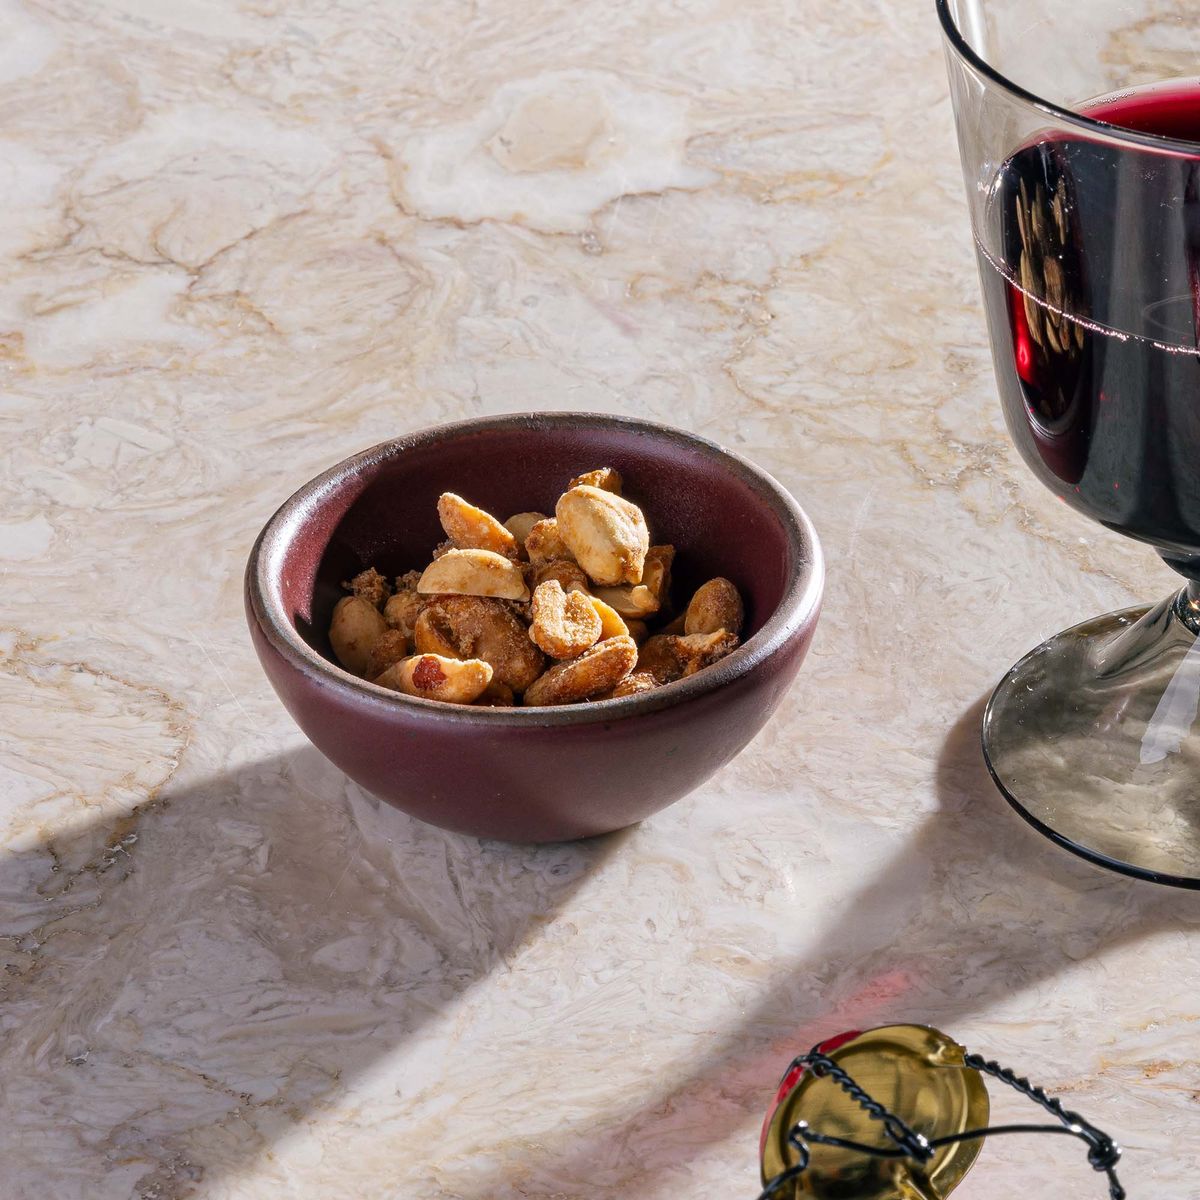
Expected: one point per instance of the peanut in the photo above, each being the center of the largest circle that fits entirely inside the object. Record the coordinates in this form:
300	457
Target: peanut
519	525
390	647
715	606
569	574
564	623
433	677
496	695
356	626
633	685
593	673
605	533
405	604
544	543
634	600
669	657
656	574
473	627
474	573
603	477
638	630
611	624
430	636
657	658
674	626
476	626
520	608
646	598
470	528
370	586
403	609
699	650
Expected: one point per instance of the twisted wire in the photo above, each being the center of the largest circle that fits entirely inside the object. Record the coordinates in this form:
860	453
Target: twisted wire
1103	1153
913	1144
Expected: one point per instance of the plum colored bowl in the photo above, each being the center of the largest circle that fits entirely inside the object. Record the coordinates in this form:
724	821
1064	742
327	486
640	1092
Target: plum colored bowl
534	774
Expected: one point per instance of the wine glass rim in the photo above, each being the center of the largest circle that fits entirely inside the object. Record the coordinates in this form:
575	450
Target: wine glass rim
1069	116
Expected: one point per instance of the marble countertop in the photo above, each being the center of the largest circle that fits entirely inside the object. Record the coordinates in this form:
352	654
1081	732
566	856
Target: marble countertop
241	239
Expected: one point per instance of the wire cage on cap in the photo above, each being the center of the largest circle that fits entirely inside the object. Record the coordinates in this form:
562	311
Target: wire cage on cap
897	1112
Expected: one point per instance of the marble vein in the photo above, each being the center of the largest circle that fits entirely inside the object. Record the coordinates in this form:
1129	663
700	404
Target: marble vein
242	239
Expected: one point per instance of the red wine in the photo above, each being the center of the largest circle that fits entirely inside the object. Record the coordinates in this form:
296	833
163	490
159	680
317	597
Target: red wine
1169	110
1091	281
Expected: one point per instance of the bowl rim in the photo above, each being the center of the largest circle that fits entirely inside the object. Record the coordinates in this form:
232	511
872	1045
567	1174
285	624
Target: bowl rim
801	597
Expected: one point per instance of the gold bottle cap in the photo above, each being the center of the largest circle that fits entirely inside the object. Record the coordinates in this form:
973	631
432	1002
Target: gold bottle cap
914	1072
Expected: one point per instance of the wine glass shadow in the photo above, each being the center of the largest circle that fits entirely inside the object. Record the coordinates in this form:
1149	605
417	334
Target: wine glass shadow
181	986
975	908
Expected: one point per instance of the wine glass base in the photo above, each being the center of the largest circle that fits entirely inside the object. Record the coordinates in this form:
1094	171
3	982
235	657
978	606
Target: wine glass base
1090	738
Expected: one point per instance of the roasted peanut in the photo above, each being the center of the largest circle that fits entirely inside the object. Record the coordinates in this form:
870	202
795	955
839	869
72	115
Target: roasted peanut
646	598
611	624
633	685
630	600
370	586
356	626
390	647
497	598
433	677
658	659
593	673
405	604
519	525
668	657
715	606
656	573
699	650
638	630
471	528
569	574
606	534
474	627
496	695
564	624
474	573
603	477
520	608
402	610
544	543
674	626
430	636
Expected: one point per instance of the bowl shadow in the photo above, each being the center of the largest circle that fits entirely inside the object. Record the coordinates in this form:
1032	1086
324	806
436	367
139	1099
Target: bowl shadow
184	985
329	932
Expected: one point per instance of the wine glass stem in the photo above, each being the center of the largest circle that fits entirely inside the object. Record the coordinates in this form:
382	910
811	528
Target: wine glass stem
1187	606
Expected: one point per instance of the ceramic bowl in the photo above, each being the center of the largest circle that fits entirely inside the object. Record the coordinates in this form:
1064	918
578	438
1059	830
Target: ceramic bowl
534	774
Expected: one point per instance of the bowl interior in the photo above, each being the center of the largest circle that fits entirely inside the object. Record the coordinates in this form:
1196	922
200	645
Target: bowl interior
382	512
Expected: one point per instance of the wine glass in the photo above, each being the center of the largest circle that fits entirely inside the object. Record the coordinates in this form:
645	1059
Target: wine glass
1079	130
